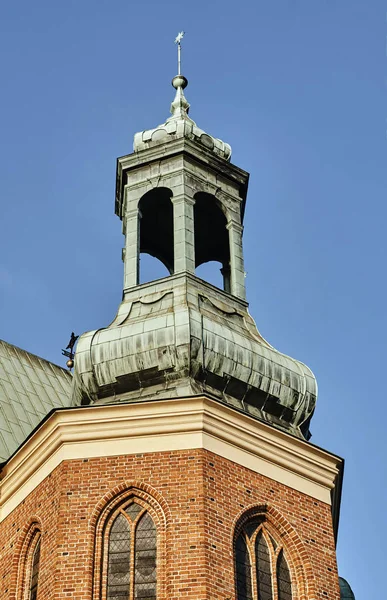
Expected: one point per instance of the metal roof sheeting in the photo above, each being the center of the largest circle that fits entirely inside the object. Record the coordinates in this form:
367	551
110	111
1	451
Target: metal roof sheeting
346	592
181	333
29	388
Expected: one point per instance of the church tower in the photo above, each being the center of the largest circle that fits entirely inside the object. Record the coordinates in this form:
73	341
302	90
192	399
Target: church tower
182	466
181	200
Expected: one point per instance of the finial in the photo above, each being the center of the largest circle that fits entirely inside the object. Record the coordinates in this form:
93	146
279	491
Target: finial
70	347
178	39
180	106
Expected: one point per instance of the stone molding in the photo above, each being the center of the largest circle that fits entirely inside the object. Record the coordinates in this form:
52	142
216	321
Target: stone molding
168	425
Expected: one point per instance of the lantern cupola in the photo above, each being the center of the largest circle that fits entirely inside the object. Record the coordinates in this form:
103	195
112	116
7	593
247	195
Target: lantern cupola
181	200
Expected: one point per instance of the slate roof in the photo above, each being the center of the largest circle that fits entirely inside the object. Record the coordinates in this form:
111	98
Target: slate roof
30	387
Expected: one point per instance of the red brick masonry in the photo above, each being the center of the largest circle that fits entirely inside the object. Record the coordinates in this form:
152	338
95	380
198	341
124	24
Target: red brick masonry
196	499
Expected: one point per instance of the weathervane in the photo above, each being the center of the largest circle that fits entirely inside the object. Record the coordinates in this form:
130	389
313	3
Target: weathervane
178	39
70	347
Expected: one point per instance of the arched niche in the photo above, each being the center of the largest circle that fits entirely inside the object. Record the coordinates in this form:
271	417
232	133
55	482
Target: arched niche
211	235
156	226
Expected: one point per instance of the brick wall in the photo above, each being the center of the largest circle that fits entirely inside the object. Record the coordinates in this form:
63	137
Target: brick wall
196	498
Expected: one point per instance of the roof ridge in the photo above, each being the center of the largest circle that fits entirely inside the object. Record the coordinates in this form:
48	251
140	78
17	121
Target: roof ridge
36	356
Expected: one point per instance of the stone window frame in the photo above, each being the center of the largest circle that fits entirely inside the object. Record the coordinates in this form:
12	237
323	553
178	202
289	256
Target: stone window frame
283	532
133	528
31	538
275	549
104	515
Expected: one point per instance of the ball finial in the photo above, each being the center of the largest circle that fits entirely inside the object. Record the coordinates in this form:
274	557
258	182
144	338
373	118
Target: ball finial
179	82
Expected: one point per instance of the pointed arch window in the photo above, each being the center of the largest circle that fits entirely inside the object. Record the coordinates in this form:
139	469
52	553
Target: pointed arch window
262	571
33	591
131	555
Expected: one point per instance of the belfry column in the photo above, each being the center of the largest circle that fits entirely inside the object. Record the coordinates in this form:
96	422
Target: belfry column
132	239
183	233
238	287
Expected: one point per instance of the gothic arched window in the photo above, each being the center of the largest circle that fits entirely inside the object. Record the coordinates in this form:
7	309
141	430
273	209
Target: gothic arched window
262	571
131	555
35	561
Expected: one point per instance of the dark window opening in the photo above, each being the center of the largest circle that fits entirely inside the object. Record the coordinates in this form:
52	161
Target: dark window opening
156	228
145	559
263	567
132	556
119	560
212	272
260	563
211	235
243	569
35	572
151	268
284	583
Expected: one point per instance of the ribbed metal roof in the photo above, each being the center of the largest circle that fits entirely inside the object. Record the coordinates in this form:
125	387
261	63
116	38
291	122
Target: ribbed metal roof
29	388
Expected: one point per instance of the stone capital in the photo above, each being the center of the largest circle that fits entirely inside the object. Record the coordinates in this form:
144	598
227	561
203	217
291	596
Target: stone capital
234	226
183	198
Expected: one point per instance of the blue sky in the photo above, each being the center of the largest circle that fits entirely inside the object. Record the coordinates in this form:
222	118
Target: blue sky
297	87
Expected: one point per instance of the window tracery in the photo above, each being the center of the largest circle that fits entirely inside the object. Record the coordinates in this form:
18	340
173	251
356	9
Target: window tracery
131	555
262	571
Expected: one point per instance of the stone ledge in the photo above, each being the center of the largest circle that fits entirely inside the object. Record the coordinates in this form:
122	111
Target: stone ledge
168	425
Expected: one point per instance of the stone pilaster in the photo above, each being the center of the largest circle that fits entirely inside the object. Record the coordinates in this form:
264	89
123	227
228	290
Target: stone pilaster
183	232
132	240
238	287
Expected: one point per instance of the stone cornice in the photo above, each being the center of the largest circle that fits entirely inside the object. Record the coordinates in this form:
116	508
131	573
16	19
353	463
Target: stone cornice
168	150
177	146
178	424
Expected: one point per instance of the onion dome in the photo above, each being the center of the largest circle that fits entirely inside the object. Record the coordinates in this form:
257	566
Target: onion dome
181	337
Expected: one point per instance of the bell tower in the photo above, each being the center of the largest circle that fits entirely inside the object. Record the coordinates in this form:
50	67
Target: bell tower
195	421
181	466
176	201
181	200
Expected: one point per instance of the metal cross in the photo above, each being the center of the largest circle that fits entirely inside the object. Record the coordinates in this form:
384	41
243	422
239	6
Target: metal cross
178	39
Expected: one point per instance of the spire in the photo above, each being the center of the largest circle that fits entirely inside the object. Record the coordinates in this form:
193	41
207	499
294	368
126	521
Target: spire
178	39
180	106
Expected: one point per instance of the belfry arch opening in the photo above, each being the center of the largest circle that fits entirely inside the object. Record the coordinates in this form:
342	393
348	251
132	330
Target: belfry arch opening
212	272
211	239
151	268
156	235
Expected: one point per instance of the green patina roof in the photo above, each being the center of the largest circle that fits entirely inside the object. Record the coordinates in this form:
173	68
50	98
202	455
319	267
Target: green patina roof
29	388
346	592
